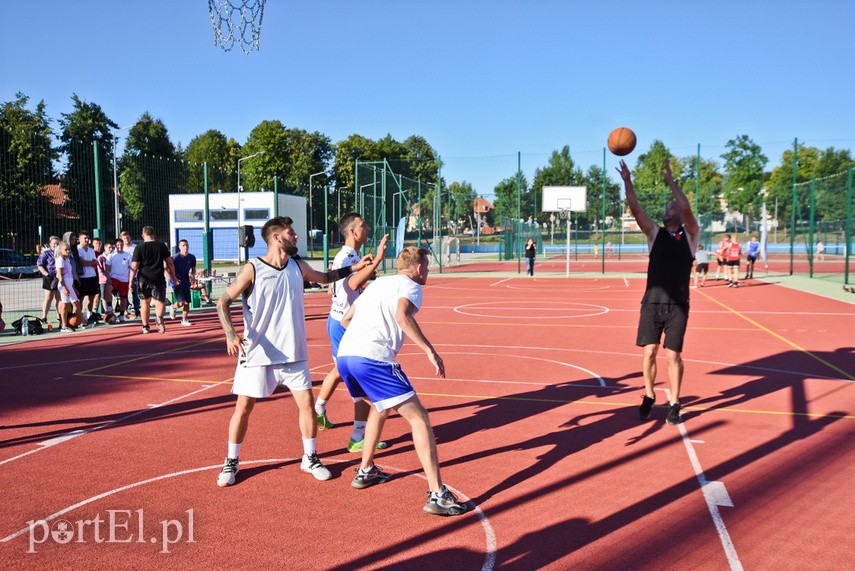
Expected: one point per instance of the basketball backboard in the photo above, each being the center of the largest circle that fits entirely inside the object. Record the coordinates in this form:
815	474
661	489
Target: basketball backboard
564	198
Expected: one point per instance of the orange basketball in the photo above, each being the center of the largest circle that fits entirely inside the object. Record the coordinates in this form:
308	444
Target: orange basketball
621	141
73	321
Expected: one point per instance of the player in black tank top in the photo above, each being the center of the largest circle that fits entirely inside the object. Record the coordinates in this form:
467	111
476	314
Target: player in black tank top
665	305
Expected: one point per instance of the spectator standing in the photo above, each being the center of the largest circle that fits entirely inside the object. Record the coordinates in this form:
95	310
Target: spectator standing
105	287
129	248
46	265
120	269
88	288
185	271
152	261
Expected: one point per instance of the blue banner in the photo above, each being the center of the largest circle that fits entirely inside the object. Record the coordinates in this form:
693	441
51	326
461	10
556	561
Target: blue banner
399	236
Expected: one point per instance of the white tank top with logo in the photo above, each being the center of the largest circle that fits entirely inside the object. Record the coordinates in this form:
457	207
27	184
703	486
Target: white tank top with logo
274	315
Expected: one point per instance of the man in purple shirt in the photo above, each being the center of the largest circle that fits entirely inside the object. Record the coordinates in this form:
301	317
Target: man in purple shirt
46	264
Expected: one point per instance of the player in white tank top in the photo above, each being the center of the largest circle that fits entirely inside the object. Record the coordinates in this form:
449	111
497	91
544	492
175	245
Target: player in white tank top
272	350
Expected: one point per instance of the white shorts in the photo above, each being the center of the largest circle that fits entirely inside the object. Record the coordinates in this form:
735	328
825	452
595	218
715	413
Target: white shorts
260	382
70	298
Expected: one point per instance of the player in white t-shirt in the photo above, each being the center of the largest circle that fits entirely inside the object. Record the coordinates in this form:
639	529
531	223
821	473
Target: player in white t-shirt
356	233
273	349
376	323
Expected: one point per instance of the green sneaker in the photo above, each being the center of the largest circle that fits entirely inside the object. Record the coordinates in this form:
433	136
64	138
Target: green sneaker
354	446
324	422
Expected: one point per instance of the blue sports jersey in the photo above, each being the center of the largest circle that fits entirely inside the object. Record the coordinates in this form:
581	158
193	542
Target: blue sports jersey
182	267
753	249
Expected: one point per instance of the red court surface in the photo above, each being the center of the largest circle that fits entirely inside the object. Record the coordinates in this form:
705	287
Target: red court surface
112	432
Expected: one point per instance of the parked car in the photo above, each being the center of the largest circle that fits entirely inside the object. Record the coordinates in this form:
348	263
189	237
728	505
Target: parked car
15	265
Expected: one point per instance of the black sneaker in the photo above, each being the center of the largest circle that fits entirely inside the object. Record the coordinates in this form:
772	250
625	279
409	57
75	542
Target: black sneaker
370	478
674	414
145	329
646	407
444	503
227	476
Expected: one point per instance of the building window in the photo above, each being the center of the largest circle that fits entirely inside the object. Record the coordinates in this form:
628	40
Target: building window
224	214
256	213
189	215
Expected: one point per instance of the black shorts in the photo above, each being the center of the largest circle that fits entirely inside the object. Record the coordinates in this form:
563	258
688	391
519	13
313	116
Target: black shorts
733	263
752	258
703	268
89	286
721	262
658	317
182	293
50	283
155	290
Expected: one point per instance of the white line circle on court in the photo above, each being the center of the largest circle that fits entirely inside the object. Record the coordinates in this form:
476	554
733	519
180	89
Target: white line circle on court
563	289
601	381
532	310
489	534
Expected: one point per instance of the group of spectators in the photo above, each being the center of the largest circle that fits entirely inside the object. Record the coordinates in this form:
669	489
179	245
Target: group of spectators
88	280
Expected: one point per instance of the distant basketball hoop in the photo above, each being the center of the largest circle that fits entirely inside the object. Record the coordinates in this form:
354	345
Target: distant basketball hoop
237	22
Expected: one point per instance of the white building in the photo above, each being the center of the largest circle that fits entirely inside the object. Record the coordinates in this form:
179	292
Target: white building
187	221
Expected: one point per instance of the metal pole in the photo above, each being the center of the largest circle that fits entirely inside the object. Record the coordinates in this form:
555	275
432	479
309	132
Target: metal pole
848	249
793	214
420	212
206	249
603	234
96	233
812	208
519	212
569	221
117	223
326	230
275	196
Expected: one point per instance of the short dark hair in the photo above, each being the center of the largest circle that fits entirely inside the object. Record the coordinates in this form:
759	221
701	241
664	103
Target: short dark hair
185	241
83	233
347	221
148	231
273	225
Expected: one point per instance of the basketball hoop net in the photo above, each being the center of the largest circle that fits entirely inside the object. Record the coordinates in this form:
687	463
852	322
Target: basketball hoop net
237	22
564	213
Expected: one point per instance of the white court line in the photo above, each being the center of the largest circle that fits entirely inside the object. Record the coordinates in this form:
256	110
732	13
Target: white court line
489	534
715	495
626	282
500	282
75	433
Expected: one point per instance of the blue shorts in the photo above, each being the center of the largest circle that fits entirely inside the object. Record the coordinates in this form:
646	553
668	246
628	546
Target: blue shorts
335	330
384	384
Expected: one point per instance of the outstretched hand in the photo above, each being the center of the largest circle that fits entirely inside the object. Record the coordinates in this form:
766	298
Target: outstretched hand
666	172
623	170
381	247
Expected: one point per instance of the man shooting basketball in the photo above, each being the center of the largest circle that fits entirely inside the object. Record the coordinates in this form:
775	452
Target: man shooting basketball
665	305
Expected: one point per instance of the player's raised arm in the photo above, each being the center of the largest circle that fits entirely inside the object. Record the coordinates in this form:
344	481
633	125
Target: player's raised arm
689	220
312	275
644	221
243	283
361	277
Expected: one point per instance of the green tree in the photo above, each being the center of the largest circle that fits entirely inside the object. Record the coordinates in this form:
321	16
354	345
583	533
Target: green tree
780	184
831	169
744	162
594	182
506	198
711	185
150	171
85	125
461	208
220	153
26	163
653	193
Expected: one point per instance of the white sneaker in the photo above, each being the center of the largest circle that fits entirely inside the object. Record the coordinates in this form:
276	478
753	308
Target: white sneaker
230	470
313	466
172	311
186	322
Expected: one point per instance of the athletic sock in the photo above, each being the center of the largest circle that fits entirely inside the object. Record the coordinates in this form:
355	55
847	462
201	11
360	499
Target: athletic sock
234	450
359	430
320	406
308	446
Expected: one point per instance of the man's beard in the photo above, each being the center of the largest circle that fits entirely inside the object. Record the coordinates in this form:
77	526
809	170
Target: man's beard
671	221
290	248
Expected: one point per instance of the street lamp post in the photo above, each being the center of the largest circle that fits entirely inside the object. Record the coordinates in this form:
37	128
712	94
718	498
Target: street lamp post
240	160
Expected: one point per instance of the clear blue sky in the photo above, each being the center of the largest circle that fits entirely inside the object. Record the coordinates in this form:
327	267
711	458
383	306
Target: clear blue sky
480	80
